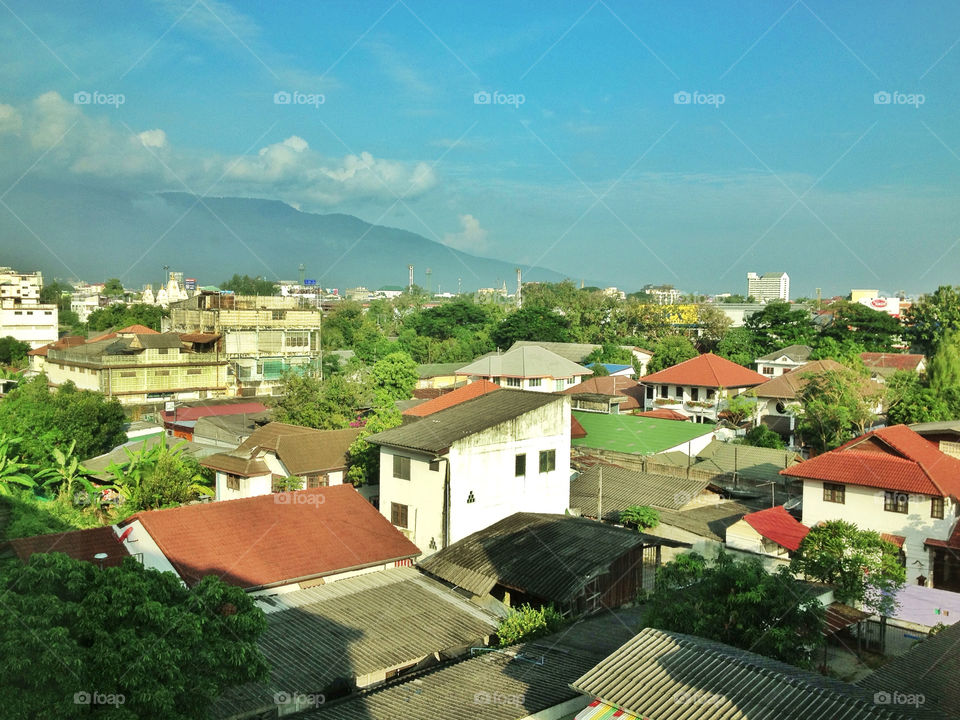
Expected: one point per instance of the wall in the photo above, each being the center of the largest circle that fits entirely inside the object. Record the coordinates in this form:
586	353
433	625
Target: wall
140	541
35	325
422	494
680	404
249	487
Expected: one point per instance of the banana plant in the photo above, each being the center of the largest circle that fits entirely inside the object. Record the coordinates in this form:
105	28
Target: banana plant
68	475
14	475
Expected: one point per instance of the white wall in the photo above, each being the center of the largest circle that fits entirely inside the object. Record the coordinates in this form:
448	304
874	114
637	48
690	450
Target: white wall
35	325
249	487
139	541
680	395
422	494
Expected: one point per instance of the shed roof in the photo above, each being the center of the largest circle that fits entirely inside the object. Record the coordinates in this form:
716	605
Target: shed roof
778	525
708	521
454	397
623	488
750	463
612	385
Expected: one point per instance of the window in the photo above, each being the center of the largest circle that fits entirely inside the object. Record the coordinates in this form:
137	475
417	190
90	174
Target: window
513	382
520	465
895	502
279	315
298	339
534	382
710	393
193	371
649	392
767	370
663	391
162	351
678	393
833	492
548	461
233	482
48	312
936	508
161	373
401	468
694	394
128	373
398	514
434	465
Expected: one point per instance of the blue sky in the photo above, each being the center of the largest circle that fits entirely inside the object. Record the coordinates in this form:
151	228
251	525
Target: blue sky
787	162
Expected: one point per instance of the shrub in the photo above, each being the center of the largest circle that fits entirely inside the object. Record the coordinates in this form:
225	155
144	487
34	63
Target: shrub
527	623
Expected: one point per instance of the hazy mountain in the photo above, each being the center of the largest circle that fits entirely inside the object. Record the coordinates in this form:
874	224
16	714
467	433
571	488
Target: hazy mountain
94	233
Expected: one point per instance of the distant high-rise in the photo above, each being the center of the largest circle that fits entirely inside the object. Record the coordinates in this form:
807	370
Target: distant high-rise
769	286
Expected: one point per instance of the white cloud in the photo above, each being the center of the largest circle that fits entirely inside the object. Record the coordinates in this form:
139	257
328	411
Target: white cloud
471	238
10	120
153	138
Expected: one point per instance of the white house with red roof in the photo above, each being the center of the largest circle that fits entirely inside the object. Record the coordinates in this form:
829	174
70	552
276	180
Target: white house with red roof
699	388
895	482
771	532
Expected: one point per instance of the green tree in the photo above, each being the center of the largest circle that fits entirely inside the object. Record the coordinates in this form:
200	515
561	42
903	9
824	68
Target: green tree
932	317
15	476
394	377
531	323
599	370
737	603
856	323
158	476
776	326
363	458
944	368
740	345
672	350
449	319
12	351
740	407
859	564
70	629
113	288
343	322
641	517
54	293
121	316
845	351
246	285
610	353
71	479
306	400
835	406
910	400
712	326
764	437
528	623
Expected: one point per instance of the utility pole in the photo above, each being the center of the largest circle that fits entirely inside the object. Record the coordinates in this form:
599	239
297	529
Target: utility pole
600	495
410	281
519	287
301	269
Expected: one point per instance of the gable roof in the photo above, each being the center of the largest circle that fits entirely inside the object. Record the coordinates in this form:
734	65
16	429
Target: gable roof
892	361
302	450
891	458
454	397
612	385
750	463
796	353
548	556
576	429
708	521
430	370
778	525
526	361
672	676
136	330
261	541
623	488
78	544
437	432
574	352
706	370
154	340
786	386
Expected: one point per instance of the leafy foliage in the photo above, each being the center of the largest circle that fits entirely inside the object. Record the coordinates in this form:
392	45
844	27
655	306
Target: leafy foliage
120	316
741	346
876	331
776	326
862	567
113	287
363	458
834	407
394	377
70	628
12	351
740	407
764	437
306	400
246	285
910	400
641	517
671	351
933	317
737	603
531	323
527	623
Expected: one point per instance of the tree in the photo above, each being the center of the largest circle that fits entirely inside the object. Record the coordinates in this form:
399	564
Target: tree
845	351
15	476
741	407
737	603
158	476
246	285
944	368
641	517
876	331
599	370
528	623
776	325
343	322
930	319
133	635
394	377
54	293
610	353
670	351
447	320
835	406
531	323
305	399
363	458
740	345
713	325
121	316
113	288
910	400
764	437
859	564
12	351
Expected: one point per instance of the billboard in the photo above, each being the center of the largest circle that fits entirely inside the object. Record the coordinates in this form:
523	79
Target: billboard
309	281
190	284
889	305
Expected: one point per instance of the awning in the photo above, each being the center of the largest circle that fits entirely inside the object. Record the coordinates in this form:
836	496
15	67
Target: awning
598	710
839	616
897	540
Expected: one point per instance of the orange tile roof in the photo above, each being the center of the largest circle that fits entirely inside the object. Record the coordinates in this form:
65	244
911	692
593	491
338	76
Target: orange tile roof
67	341
576	429
706	370
891	458
663	414
896	361
778	525
263	541
612	385
137	330
78	544
455	397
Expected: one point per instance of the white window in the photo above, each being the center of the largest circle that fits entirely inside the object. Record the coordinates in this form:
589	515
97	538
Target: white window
513	382
534	382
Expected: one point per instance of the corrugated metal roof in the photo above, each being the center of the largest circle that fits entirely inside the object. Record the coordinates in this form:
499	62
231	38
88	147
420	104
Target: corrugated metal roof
797	353
750	463
709	521
548	556
525	361
623	488
353	627
671	676
435	433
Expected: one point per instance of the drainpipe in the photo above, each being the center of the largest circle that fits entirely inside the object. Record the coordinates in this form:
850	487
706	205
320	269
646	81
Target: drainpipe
446	503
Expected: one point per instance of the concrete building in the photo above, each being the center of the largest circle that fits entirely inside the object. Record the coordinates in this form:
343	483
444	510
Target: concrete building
527	367
663	294
83	305
783	361
263	337
769	286
459	470
22	315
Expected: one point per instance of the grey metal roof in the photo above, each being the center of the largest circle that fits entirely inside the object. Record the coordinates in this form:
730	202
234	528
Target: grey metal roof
671	676
507	684
623	488
549	556
797	353
752	463
430	370
574	352
931	668
365	624
161	340
952	426
709	521
525	361
435	433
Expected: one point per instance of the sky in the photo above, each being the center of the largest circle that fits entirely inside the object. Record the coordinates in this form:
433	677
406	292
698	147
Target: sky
631	143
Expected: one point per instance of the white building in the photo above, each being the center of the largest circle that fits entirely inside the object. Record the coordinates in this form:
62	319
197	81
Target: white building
22	316
769	286
459	470
784	360
83	305
526	367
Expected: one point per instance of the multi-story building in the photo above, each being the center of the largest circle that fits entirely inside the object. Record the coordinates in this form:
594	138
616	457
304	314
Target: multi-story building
83	305
263	337
769	286
663	294
22	315
526	367
138	365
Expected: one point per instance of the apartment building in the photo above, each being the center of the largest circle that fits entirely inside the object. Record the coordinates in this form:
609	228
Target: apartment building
262	337
768	287
22	315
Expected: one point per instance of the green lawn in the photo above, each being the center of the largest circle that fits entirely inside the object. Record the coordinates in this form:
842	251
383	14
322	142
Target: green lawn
637	435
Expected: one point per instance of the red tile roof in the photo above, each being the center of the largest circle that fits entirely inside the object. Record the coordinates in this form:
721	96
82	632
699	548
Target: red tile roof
897	540
455	397
263	541
78	544
892	458
952	543
706	370
105	336
137	330
194	413
897	361
577	430
663	414
63	343
612	385
778	525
